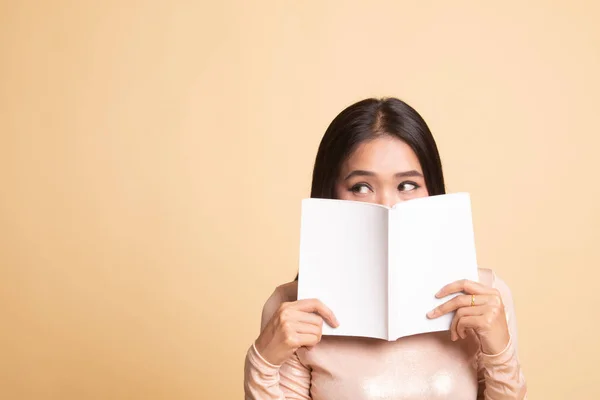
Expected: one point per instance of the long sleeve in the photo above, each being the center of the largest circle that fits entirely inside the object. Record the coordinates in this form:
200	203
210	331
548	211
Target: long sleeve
265	381
500	375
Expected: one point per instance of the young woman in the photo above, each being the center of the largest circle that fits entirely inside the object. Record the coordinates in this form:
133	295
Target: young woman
381	151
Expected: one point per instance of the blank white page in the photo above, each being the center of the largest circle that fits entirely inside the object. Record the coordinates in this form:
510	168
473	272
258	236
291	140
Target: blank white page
431	244
343	263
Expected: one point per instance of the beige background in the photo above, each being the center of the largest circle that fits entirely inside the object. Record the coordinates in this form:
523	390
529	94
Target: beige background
153	156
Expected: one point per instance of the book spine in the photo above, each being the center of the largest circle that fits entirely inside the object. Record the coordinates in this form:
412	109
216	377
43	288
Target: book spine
388	248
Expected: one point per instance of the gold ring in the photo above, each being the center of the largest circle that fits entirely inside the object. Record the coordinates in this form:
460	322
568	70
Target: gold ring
472	300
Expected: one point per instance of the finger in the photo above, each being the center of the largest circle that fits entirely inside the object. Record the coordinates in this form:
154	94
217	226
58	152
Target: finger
308	329
458	302
470	321
463	312
316	306
308	318
308	339
292	315
465	286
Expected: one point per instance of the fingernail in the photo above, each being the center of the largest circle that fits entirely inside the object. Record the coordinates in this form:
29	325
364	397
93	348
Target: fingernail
438	294
431	313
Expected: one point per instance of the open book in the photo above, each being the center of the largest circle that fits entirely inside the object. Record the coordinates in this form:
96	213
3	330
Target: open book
379	268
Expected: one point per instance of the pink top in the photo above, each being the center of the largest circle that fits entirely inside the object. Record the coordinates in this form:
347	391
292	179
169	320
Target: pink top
427	366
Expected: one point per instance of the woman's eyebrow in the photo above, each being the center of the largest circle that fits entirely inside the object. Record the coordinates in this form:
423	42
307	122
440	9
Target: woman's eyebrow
410	173
359	172
404	174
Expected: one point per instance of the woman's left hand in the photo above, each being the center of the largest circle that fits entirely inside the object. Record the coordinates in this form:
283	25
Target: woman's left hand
479	308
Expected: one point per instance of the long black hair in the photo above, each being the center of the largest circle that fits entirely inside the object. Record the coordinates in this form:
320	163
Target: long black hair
364	121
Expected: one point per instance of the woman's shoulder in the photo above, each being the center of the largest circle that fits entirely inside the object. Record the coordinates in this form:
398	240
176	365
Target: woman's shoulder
282	294
486	276
489	278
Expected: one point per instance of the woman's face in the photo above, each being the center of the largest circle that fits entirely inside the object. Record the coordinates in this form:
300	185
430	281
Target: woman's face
384	170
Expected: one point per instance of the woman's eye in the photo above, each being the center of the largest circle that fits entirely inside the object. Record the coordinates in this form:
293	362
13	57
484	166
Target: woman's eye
361	188
407	186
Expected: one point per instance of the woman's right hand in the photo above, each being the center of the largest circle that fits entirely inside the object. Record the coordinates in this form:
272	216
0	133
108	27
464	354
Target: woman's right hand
294	325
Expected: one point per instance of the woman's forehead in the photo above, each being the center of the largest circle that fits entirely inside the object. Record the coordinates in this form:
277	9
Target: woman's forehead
382	155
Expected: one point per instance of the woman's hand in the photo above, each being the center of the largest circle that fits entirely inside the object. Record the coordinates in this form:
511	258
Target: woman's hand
479	308
294	325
